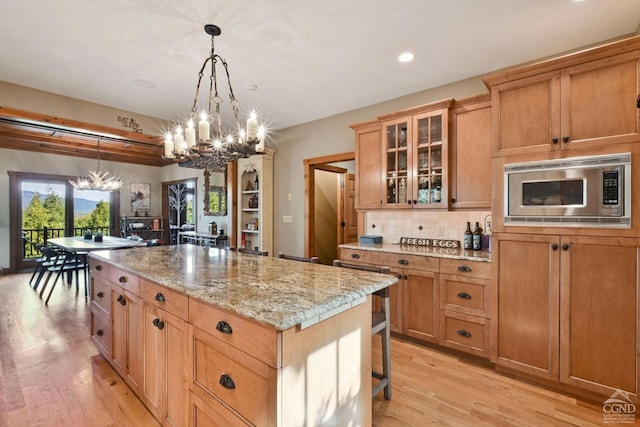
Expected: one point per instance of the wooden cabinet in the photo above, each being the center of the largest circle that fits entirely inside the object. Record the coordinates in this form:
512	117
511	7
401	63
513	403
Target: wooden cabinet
470	153
255	202
415	157
144	227
575	103
127	349
568	309
369	176
465	306
165	343
414	303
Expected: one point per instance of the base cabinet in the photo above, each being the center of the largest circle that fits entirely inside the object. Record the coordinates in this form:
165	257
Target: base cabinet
568	310
126	349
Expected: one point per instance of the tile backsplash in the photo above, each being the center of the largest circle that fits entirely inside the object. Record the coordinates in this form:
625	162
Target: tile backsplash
392	225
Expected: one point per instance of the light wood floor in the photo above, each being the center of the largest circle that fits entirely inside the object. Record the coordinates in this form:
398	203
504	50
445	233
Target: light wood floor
51	375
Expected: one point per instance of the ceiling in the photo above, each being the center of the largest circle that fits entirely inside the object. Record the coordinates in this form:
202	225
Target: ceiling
308	59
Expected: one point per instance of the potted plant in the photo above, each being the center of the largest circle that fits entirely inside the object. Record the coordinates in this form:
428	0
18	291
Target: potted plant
98	237
87	234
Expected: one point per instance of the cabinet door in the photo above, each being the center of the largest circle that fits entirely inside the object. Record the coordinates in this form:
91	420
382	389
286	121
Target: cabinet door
599	102
119	329
526	115
396	163
599	314
369	182
429	159
134	370
166	345
528	303
420	305
395	302
471	156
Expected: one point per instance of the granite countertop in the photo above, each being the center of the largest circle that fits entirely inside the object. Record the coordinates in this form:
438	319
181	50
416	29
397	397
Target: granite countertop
273	291
456	253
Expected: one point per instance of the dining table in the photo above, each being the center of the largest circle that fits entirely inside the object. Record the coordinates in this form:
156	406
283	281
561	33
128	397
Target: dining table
78	247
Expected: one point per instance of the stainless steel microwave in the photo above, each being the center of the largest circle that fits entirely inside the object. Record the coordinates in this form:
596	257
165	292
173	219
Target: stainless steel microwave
592	191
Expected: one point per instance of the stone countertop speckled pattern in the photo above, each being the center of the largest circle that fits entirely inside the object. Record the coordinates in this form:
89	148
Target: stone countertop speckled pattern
276	292
422	250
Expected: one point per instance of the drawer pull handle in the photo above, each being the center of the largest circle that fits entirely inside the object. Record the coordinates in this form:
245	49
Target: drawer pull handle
464	295
464	268
122	279
224	327
100	294
99	332
227	382
355	256
99	267
159	297
121	300
464	333
403	262
158	323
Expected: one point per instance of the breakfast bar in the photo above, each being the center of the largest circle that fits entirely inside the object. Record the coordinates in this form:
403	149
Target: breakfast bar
203	334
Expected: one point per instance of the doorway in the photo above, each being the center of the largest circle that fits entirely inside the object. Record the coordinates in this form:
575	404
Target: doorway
330	216
178	208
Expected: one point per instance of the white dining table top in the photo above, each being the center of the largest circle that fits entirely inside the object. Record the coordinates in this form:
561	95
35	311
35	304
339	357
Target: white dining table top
80	244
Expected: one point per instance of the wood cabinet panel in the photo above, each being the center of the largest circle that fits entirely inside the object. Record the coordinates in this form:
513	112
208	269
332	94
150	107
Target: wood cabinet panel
464	295
528	304
465	333
458	267
212	414
244	383
250	337
100	295
599	314
470	154
166	299
125	280
394	260
101	333
355	256
421	305
100	269
369	171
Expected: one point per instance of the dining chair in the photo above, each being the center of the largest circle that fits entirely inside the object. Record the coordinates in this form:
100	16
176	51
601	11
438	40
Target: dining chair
312	260
380	324
71	263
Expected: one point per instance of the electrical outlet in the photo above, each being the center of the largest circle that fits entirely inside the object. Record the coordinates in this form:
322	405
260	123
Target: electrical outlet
441	230
383	228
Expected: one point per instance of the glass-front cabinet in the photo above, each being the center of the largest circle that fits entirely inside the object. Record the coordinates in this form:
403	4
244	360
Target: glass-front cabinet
415	159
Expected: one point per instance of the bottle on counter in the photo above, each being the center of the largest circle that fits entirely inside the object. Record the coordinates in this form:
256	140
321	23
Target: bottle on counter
477	238
468	237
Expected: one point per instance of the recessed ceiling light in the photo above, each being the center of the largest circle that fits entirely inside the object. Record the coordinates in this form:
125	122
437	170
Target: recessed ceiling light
405	57
144	83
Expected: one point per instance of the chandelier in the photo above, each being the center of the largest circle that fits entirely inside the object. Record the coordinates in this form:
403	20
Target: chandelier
97	180
209	145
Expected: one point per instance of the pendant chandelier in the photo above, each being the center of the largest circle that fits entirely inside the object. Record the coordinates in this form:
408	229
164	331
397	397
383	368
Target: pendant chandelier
97	180
209	145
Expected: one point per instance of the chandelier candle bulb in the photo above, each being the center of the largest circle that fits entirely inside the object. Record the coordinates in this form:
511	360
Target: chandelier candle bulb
178	140
168	146
190	135
252	126
203	127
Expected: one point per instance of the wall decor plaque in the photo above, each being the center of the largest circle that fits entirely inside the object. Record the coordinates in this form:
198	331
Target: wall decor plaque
436	243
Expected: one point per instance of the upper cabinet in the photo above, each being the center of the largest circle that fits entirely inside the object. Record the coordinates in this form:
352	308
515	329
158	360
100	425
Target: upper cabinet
369	176
579	101
415	157
470	153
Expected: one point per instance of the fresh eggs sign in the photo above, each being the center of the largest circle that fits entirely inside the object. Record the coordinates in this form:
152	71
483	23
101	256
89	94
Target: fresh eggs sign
434	243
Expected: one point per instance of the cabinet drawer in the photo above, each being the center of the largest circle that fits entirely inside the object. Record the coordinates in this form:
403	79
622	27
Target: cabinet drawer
101	294
212	414
242	382
481	270
99	268
165	298
465	295
466	333
405	261
101	333
250	337
355	255
128	281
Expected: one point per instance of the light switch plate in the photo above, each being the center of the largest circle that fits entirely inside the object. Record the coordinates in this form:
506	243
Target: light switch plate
287	219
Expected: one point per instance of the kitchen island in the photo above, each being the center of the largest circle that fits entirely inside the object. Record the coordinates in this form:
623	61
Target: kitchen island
206	336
